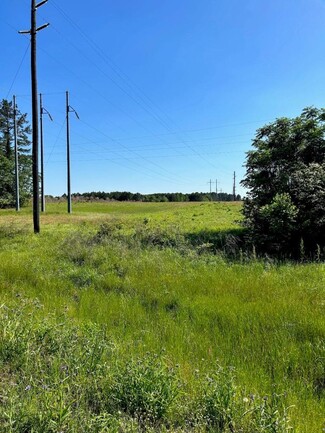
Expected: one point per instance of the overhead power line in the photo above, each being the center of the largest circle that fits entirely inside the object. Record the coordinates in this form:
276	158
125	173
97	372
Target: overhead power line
18	70
147	106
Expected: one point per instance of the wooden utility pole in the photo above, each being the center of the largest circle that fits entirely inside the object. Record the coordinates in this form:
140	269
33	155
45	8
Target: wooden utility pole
42	111
33	32
234	187
69	109
42	155
217	189
16	155
210	182
68	154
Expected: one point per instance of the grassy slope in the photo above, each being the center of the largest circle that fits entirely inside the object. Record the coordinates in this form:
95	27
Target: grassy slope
141	279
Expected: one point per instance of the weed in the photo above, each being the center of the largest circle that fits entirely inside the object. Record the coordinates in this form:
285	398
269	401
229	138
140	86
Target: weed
144	388
267	414
217	405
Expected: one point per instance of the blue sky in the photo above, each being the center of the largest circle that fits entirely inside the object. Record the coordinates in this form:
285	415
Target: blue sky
169	92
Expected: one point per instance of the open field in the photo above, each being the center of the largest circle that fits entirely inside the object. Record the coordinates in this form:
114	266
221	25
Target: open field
125	315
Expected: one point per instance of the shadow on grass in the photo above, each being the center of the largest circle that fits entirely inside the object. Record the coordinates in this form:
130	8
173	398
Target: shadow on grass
229	242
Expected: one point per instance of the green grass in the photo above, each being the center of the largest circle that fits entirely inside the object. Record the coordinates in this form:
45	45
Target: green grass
155	326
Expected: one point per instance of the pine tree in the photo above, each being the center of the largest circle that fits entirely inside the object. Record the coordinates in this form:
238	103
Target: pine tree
7	155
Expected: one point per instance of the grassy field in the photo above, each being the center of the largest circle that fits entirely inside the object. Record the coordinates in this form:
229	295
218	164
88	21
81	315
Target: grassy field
130	316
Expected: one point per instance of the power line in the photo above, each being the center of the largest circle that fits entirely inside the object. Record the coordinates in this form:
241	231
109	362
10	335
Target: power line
91	151
156	135
96	152
56	141
149	110
103	55
18	70
125	147
87	152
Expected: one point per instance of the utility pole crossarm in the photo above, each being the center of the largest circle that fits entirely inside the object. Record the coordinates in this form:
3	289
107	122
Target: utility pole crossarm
72	110
40	4
42	27
45	111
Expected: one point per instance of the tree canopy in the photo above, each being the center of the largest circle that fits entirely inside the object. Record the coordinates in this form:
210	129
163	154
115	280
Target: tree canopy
284	211
7	155
157	197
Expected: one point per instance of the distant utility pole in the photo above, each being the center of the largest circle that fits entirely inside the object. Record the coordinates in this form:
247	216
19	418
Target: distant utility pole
16	155
69	109
217	189
42	111
33	32
234	187
210	182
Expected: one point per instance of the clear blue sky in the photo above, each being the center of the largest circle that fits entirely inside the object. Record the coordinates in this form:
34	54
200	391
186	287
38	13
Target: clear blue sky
169	92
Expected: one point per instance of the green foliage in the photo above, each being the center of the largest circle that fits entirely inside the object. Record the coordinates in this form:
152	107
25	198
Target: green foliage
218	400
7	190
286	181
7	167
144	389
267	414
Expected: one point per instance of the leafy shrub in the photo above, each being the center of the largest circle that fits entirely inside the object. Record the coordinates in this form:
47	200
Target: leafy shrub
285	177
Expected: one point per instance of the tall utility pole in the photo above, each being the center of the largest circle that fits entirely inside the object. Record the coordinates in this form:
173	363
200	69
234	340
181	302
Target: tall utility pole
16	155
234	187
42	111
69	109
33	32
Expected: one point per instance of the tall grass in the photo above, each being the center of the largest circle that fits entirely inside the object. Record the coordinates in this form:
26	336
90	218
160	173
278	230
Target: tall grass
160	329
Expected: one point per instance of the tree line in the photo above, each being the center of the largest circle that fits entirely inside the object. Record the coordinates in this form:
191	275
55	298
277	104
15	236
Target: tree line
157	197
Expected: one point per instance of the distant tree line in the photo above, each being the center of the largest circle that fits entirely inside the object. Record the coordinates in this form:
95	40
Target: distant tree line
157	197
